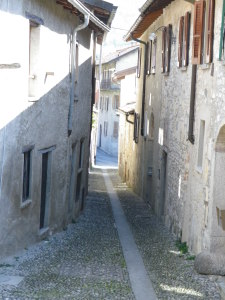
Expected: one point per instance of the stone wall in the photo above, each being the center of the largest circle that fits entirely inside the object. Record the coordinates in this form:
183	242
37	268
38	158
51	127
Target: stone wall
186	197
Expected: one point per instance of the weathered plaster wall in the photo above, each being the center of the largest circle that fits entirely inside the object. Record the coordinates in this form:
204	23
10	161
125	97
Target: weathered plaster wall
191	193
43	123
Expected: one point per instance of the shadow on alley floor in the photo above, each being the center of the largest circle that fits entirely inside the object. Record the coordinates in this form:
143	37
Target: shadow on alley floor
86	260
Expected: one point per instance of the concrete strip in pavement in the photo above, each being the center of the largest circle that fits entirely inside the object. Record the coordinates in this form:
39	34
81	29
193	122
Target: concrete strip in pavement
140	282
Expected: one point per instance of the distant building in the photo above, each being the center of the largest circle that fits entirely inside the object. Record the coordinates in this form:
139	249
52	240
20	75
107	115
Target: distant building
108	104
126	74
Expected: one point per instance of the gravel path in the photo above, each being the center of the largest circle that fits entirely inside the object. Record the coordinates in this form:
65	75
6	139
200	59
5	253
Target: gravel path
172	274
83	262
86	261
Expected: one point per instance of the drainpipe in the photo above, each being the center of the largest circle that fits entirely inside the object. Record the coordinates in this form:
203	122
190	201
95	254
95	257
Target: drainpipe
144	82
73	69
191	137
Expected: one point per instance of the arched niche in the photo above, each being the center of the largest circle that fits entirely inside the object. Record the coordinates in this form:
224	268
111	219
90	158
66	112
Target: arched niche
220	142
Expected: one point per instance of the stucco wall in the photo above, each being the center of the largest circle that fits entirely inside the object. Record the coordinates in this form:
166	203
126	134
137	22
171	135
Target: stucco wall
43	123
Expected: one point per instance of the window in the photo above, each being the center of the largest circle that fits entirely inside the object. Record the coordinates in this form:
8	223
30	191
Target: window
45	189
116	101
149	59
101	102
201	144
105	128
166	48
136	127
27	168
203	32
106	103
81	157
151	56
151	126
115	129
183	44
139	63
222	35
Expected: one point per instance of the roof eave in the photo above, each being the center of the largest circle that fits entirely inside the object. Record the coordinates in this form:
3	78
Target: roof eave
84	10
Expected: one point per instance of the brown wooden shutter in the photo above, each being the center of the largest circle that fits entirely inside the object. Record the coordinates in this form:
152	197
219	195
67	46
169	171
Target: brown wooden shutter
168	48
198	32
163	49
149	57
139	63
209	49
186	38
180	42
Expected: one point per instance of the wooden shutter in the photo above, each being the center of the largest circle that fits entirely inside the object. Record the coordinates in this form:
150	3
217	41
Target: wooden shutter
139	63
163	49
149	58
197	46
209	47
180	42
186	38
168	48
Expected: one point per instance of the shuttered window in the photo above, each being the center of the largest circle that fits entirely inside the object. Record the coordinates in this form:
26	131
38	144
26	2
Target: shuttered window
183	43
149	59
163	49
166	48
153	60
209	47
198	32
187	18
139	63
180	43
203	32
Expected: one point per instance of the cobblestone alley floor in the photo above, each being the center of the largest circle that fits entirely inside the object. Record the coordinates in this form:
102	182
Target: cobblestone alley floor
86	260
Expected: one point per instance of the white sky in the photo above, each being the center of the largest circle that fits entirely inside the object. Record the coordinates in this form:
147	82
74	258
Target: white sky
126	15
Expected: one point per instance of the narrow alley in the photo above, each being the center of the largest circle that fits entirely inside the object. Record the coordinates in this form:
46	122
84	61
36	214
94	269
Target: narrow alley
87	261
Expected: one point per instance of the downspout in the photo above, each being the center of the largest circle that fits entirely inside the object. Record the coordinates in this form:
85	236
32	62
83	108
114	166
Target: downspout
73	69
144	82
191	137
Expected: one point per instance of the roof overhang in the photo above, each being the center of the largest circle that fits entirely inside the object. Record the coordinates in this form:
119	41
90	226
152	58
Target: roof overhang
123	73
150	11
79	9
128	109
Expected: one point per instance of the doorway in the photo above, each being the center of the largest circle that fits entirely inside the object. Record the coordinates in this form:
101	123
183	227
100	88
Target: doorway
163	184
100	136
45	189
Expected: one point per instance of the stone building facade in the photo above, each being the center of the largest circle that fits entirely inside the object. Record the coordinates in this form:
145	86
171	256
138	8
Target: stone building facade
46	76
126	74
178	161
108	104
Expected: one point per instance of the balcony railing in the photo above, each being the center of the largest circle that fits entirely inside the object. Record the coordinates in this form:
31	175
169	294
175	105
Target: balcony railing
107	84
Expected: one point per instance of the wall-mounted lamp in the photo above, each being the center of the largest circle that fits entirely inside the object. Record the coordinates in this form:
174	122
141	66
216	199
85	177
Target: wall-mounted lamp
153	35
